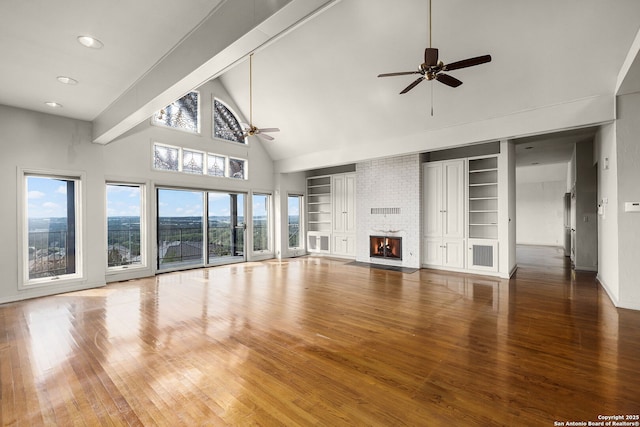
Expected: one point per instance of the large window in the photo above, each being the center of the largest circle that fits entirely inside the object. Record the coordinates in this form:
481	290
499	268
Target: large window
294	210
261	212
183	114
52	231
125	232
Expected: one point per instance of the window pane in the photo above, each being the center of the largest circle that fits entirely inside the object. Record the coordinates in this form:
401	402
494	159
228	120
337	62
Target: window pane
293	206
51	221
215	165
225	124
192	161
181	114
261	222
123	225
166	158
237	168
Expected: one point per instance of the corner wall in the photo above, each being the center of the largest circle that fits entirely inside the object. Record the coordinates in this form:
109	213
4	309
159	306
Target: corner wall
605	154
627	133
34	140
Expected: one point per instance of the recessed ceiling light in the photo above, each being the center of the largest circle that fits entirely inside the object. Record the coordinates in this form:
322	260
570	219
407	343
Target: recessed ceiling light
89	41
53	104
67	80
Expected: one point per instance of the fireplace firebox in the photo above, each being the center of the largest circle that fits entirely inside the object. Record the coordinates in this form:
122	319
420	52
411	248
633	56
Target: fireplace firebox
385	247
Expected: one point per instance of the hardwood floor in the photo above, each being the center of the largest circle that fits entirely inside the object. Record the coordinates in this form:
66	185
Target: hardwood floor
317	342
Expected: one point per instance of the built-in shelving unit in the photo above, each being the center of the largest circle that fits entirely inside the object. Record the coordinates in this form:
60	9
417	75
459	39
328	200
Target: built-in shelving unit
319	203
319	212
483	198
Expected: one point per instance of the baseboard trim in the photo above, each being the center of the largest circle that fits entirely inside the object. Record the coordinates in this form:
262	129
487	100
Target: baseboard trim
48	291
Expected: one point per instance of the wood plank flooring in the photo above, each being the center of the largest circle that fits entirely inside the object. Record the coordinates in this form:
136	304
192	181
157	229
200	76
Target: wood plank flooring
312	341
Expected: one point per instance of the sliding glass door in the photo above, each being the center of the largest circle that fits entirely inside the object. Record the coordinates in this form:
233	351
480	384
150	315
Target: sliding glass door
180	228
226	227
186	240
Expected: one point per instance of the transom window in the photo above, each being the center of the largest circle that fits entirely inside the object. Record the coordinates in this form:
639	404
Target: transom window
225	124
182	114
177	159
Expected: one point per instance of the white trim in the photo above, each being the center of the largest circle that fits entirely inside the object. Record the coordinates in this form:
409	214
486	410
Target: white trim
144	261
301	248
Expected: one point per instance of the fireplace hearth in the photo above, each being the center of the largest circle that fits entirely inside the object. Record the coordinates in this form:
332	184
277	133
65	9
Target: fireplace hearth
385	247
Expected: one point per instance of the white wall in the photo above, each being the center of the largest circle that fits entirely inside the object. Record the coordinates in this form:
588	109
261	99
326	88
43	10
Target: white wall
605	153
31	140
628	157
42	141
539	204
389	183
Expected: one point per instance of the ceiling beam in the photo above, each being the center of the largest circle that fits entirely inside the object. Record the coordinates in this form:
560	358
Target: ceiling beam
232	31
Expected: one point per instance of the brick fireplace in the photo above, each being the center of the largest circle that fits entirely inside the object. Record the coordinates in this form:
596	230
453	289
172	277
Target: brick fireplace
388	206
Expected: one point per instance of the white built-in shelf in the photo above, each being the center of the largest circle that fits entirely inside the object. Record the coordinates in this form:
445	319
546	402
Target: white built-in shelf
319	203
483	197
483	170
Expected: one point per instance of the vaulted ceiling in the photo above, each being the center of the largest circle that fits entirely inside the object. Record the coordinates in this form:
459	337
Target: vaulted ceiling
556	65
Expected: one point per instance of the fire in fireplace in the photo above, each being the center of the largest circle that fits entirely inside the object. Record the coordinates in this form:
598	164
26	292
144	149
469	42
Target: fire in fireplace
385	247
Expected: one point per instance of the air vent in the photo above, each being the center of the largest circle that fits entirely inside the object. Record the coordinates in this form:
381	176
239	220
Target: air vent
385	211
483	256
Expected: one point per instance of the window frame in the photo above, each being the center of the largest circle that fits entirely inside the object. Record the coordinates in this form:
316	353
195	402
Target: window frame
79	178
162	125
143	228
301	240
268	251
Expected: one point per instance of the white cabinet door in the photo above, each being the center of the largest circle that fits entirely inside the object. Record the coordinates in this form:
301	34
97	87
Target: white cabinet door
432	251
453	255
483	255
453	199
339	206
350	203
432	187
344	244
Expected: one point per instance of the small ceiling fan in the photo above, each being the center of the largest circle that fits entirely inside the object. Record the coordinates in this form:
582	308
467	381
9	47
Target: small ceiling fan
432	69
250	129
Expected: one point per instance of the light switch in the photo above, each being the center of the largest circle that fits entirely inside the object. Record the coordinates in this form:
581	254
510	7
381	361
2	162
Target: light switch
632	206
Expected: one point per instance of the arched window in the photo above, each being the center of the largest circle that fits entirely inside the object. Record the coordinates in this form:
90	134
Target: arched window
225	124
182	114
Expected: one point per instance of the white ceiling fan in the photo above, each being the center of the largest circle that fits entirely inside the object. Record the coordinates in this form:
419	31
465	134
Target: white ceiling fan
250	129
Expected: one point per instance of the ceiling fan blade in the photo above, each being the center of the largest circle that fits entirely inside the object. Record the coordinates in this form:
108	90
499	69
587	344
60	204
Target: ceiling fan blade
448	80
269	130
431	57
412	85
467	62
265	136
401	73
